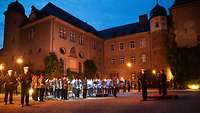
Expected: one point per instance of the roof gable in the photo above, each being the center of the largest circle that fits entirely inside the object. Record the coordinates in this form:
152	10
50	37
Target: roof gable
51	9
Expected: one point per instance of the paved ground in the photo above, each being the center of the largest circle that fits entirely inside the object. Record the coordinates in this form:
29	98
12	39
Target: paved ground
188	102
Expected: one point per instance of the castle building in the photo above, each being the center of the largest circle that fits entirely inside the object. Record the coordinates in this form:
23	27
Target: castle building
143	44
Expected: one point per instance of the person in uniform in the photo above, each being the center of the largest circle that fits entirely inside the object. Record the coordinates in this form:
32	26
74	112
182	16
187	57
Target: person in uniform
41	81
10	83
25	79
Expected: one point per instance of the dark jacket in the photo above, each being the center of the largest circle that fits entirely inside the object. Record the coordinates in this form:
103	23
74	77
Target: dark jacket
26	80
10	82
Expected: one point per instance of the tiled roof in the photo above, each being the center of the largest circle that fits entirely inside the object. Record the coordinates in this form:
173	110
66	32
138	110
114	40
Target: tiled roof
51	9
179	2
122	30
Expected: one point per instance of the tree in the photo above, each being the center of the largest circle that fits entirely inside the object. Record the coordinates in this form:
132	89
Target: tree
184	61
52	66
90	69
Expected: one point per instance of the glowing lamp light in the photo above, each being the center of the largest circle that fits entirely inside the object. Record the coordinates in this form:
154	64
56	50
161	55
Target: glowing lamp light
128	64
122	78
194	86
19	61
154	72
31	92
1	67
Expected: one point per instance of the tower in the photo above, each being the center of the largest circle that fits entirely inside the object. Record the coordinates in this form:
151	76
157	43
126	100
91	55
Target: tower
158	34
14	18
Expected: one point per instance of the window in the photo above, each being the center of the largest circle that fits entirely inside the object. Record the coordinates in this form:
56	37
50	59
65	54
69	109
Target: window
143	58
62	50
121	46
113	61
121	60
156	25
133	60
72	36
62	32
142	43
132	44
39	50
94	44
112	47
81	40
31	34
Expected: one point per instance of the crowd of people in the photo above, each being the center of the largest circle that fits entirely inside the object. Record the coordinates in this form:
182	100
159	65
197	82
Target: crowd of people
63	88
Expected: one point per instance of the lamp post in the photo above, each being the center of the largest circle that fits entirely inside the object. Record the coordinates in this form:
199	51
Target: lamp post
129	65
1	67
19	62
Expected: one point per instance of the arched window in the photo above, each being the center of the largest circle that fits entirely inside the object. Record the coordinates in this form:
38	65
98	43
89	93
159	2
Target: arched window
72	52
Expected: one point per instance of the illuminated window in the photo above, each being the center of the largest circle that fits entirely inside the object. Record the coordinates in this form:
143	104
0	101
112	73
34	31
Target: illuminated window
62	32
143	58
72	36
121	46
133	59
142	43
113	61
81	40
121	60
132	44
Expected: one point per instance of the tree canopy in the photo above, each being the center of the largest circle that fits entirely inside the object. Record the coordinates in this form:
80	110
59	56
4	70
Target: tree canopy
90	69
53	67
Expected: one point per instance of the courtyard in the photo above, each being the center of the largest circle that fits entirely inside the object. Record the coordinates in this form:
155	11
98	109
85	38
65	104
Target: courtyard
187	102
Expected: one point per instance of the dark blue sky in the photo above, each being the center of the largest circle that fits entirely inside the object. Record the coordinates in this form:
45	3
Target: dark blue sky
101	14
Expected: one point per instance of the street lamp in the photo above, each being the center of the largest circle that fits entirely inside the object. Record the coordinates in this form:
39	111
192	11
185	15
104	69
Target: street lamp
154	72
1	67
128	64
19	61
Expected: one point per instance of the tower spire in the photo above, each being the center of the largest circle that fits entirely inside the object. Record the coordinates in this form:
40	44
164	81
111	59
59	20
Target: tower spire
157	1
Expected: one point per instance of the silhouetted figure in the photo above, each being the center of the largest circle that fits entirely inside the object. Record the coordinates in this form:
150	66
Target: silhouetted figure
10	85
115	86
144	85
25	79
164	83
41	81
139	82
159	84
129	86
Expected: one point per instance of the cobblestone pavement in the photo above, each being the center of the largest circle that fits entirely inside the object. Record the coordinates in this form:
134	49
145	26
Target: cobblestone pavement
188	102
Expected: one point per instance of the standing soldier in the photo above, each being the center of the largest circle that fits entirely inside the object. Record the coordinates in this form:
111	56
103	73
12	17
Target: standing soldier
164	83
144	85
41	81
10	84
65	88
25	80
115	86
35	87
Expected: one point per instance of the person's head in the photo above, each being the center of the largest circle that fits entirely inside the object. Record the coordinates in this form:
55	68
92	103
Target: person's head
26	69
10	72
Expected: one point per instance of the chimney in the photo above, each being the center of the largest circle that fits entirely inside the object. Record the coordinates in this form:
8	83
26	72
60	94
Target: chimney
143	20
